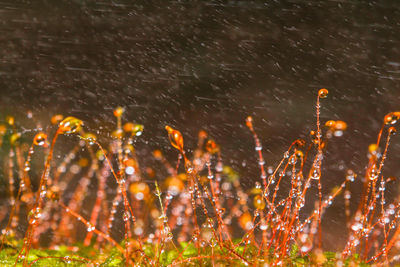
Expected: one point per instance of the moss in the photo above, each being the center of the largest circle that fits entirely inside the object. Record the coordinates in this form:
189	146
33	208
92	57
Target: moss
185	252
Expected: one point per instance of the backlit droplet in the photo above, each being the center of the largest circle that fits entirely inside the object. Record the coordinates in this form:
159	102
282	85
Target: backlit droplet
70	125
315	173
175	137
34	215
138	129
392	130
27	167
40	139
263	226
373	173
67	259
90	138
126	216
133	128
350	175
189	167
90	227
322	93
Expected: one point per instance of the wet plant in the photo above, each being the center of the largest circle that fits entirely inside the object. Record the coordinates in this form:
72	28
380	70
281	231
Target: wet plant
73	209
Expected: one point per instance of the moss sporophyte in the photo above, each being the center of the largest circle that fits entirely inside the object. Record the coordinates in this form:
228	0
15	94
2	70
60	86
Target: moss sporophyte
96	206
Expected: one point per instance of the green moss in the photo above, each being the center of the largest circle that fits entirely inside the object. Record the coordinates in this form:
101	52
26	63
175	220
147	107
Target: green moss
184	252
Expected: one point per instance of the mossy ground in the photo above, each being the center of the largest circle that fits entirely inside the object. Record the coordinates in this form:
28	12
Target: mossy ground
183	254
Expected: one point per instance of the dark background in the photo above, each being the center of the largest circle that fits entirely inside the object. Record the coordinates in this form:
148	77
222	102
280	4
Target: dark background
207	65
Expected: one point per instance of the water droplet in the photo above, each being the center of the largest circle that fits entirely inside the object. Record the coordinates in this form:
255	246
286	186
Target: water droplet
67	259
34	215
315	173
392	130
89	227
350	175
43	193
138	129
90	138
263	226
189	167
373	173
27	167
126	216
133	128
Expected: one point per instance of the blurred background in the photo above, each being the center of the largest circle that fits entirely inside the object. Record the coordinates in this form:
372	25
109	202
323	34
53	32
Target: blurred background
208	65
